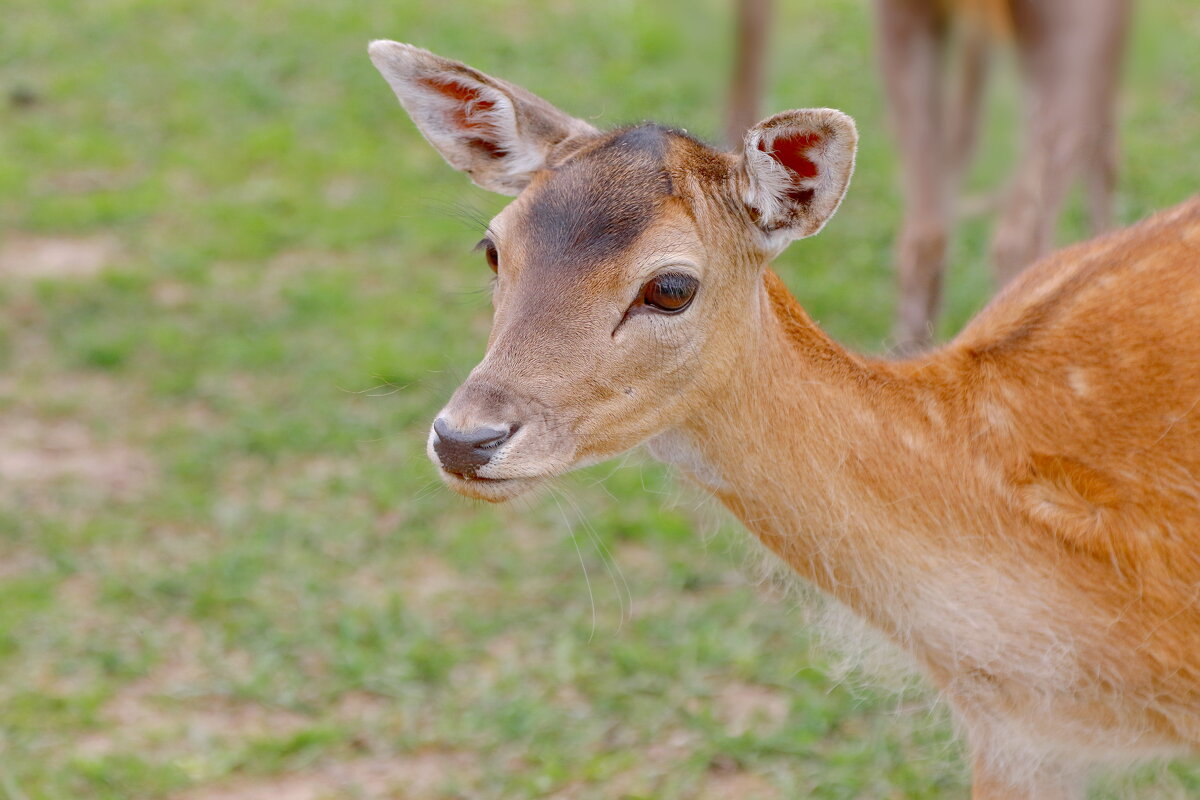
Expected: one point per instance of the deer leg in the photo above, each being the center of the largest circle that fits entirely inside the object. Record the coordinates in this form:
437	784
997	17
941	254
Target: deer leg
911	43
749	67
1100	173
1047	164
1060	49
1100	163
963	120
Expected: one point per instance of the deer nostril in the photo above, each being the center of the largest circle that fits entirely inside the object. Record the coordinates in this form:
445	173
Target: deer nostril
462	452
475	437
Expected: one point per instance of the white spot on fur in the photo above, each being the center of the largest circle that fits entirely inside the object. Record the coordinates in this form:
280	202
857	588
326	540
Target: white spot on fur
913	440
996	416
934	413
1077	380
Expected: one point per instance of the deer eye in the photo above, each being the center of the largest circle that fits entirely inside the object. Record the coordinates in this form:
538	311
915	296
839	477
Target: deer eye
489	252
670	292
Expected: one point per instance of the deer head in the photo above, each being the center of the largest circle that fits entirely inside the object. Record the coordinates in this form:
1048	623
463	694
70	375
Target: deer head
628	268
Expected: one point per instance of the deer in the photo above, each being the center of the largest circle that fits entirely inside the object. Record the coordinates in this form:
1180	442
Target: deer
934	58
1018	510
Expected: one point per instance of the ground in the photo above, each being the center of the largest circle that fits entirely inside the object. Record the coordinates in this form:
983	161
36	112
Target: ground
235	285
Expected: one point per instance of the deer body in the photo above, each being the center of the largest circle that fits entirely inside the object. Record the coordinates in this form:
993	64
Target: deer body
1047	575
1019	510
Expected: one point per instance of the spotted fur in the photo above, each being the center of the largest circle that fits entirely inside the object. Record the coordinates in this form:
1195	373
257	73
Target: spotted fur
1019	511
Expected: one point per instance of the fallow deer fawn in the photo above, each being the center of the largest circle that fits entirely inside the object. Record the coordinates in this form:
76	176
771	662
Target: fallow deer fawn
933	56
1019	510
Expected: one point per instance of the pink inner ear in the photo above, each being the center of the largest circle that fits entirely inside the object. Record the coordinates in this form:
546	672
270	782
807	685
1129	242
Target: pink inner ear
789	150
468	103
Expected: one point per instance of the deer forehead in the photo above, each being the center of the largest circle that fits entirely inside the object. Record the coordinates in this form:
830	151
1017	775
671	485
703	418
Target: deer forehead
615	206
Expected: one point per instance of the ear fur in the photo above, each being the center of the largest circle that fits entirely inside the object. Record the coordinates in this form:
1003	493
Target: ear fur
496	132
797	166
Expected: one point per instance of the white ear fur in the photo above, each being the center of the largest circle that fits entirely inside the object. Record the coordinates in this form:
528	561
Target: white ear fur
496	132
797	166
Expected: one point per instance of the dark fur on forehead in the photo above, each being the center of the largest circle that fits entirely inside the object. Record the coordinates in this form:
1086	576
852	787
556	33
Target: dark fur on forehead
601	200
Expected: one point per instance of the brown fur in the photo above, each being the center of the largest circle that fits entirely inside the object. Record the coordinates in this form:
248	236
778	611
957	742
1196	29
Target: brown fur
1019	510
1051	453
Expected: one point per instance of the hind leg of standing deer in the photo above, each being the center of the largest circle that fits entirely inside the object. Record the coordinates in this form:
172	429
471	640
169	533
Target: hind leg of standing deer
1047	164
1100	159
911	47
1065	54
1100	175
966	99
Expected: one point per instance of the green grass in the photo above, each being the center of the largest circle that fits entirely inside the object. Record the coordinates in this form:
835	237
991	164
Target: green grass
225	564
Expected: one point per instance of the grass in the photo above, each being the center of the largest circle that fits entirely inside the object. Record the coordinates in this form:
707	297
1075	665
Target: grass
226	566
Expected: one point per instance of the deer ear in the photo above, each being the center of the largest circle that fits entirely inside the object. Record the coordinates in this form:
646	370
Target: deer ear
496	132
797	165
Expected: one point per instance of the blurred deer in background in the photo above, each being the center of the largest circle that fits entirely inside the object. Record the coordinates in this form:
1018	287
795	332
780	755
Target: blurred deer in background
934	57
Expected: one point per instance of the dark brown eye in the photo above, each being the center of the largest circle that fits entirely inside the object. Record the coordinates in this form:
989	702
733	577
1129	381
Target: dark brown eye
489	251
670	292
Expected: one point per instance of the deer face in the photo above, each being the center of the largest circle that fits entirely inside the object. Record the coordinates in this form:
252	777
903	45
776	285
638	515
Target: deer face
628	269
603	299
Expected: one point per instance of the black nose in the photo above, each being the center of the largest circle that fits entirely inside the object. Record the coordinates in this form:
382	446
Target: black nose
464	452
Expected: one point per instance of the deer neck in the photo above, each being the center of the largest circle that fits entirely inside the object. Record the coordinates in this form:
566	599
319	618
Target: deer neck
828	458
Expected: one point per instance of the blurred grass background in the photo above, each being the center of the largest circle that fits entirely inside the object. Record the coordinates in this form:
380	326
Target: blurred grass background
235	285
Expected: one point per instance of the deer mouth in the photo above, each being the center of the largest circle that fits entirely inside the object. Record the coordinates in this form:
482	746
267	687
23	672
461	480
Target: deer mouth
485	459
493	490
